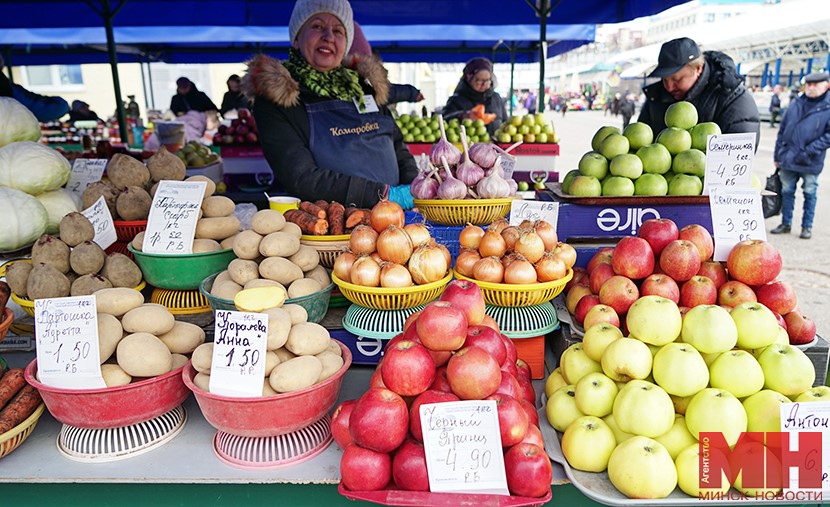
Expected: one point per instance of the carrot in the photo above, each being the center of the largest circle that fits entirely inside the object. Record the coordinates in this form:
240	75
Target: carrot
336	218
308	223
313	210
354	217
323	204
10	383
5	294
22	406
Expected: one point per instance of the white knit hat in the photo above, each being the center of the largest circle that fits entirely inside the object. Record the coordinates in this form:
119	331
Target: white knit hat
304	9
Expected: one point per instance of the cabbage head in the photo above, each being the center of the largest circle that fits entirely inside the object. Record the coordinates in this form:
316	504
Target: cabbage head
17	123
58	203
24	219
32	167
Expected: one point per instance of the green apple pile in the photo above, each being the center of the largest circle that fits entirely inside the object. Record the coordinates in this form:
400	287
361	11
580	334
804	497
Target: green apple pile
416	129
634	162
530	128
196	154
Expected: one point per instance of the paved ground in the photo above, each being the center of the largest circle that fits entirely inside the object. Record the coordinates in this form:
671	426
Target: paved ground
806	262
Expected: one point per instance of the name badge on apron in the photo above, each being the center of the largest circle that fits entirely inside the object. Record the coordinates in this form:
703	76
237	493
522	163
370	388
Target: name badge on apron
369	101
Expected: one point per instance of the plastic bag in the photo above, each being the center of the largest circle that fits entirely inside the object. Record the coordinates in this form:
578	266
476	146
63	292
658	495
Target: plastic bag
245	213
771	204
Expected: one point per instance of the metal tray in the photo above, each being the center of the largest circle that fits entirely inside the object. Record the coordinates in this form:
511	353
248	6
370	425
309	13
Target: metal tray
556	188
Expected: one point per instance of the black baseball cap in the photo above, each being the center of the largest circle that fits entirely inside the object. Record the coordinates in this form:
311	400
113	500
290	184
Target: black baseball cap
816	77
674	55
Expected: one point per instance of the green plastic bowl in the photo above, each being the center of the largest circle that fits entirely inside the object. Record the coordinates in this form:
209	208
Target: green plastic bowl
181	272
316	304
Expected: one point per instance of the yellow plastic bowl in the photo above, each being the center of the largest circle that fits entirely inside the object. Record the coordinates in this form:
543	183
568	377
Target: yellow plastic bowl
381	298
283	203
12	439
328	247
463	211
28	305
517	295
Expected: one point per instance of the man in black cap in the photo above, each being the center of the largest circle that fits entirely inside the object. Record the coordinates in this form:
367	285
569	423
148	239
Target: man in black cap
802	143
709	81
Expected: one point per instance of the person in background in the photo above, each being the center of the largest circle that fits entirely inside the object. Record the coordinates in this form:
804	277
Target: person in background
192	107
5	84
397	92
44	107
615	104
477	87
709	80
627	109
530	103
234	98
800	148
325	128
81	112
775	105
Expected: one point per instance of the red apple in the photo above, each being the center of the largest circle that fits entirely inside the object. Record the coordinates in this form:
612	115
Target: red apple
379	408
442	326
251	122
660	285
411	319
473	374
528	470
580	277
601	313
426	397
509	385
680	260
574	295
491	323
441	383
781	321
698	235
364	469
513	420
633	258
778	296
439	357
585	304
534	436
340	423
488	339
510	369
619	292
409	467
222	129
800	328
528	393
241	130
407	368
530	410
377	380
525	375
510	348
467	296
699	290
217	138
733	293
399	338
754	262
603	256
243	113
251	137
715	271
659	232
239	139
599	276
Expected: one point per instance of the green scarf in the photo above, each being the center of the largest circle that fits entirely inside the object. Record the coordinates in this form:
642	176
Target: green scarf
340	83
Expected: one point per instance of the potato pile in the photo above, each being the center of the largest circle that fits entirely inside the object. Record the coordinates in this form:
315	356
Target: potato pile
270	255
139	340
299	353
72	265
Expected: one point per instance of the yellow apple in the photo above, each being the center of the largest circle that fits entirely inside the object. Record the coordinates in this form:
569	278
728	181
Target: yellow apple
588	443
687	463
575	364
677	438
598	337
643	408
642	468
680	369
561	408
654	319
626	358
595	394
738	372
716	410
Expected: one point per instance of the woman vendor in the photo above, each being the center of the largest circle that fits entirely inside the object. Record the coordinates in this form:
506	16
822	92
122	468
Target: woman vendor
476	90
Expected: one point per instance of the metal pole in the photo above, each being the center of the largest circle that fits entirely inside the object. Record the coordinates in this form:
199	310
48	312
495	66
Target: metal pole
543	46
108	14
512	71
143	83
150	82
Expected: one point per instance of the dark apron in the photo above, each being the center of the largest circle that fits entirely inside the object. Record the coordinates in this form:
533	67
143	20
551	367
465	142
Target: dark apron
346	142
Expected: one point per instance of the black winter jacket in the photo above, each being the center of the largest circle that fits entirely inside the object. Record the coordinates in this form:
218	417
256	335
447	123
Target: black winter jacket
194	100
719	96
804	135
233	100
465	98
279	108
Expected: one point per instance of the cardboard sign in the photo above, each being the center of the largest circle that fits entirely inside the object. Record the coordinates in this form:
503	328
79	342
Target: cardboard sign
67	342
463	447
238	367
729	160
521	210
812	417
736	216
85	172
508	165
171	224
99	215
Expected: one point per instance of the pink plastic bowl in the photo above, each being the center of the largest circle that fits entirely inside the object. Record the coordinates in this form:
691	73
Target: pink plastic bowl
270	415
112	407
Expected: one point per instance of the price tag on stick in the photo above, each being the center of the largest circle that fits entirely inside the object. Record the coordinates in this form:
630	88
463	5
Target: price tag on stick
736	216
729	160
66	330
171	224
85	172
99	215
238	367
807	428
533	211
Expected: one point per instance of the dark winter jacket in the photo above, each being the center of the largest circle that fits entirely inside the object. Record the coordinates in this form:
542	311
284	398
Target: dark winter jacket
627	107
804	135
465	98
5	86
279	108
233	100
194	100
44	107
402	93
719	96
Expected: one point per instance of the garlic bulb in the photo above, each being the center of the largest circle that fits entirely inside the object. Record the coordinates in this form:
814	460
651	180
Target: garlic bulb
483	154
493	186
444	148
451	188
468	171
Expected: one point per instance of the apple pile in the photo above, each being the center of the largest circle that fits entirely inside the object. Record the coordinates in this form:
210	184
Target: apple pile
528	253
449	351
241	131
530	128
417	129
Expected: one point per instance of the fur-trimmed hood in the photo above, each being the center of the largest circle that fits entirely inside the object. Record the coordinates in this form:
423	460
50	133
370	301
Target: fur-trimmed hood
268	77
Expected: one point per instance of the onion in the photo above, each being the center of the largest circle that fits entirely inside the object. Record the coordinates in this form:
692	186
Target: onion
376	256
550	268
444	148
548	234
567	253
499	225
507	259
483	154
343	266
384	214
520	271
526	225
488	269
394	275
394	245
468	171
427	264
366	272
446	252
531	246
465	262
470	236
363	240
492	244
510	235
418	234
452	188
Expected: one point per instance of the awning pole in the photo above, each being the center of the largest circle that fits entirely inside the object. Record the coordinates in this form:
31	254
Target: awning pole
512	71
143	82
108	14
150	82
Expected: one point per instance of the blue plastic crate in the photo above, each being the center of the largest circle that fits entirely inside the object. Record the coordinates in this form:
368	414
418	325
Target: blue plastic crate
447	235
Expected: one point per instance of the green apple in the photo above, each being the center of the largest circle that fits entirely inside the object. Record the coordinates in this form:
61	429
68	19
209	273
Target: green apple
452	137
656	158
613	145
818	393
420	138
738	372
625	359
569	177
617	186
687	463
601	134
409	138
561	408
478	123
593	164
757	325
627	165
588	443
515	120
639	135
651	184
619	434
709	329
716	410
643	408
681	115
787	369
677	438
530	138
598	337
539	185
404	118
595	394
454	123
548	129
536	129
540	119
524	129
642	468
542	137
554	381
420	122
675	140
753	452
467	122
763	410
680	370
504	138
517	137
585	186
522	186
685	184
574	364
511	129
700	134
654	319
690	161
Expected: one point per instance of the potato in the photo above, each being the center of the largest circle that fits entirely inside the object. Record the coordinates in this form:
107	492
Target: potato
202	358
217	228
217	206
297	312
148	318
133	203
307	339
202	381
259	299
331	364
87	258
279	325
225	290
306	257
110	333
267	221
334	348
88	284
284	354
279	244
179	360
17	274
295	374
267	390
320	274
143	355
121	271
205	245
183	338
114	376
47	282
303	287
243	271
223	276
280	270
211	186
166	166
52	251
292	228
95	192
75	228
125	171
246	244
228	242
118	301
271	362
138	241
262	282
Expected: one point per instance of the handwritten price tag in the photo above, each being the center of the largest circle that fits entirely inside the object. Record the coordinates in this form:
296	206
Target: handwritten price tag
99	215
533	211
67	342
85	172
238	367
813	417
463	447
729	160
171	224
736	216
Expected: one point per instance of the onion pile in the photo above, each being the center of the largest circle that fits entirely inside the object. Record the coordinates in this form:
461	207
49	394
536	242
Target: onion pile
524	254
